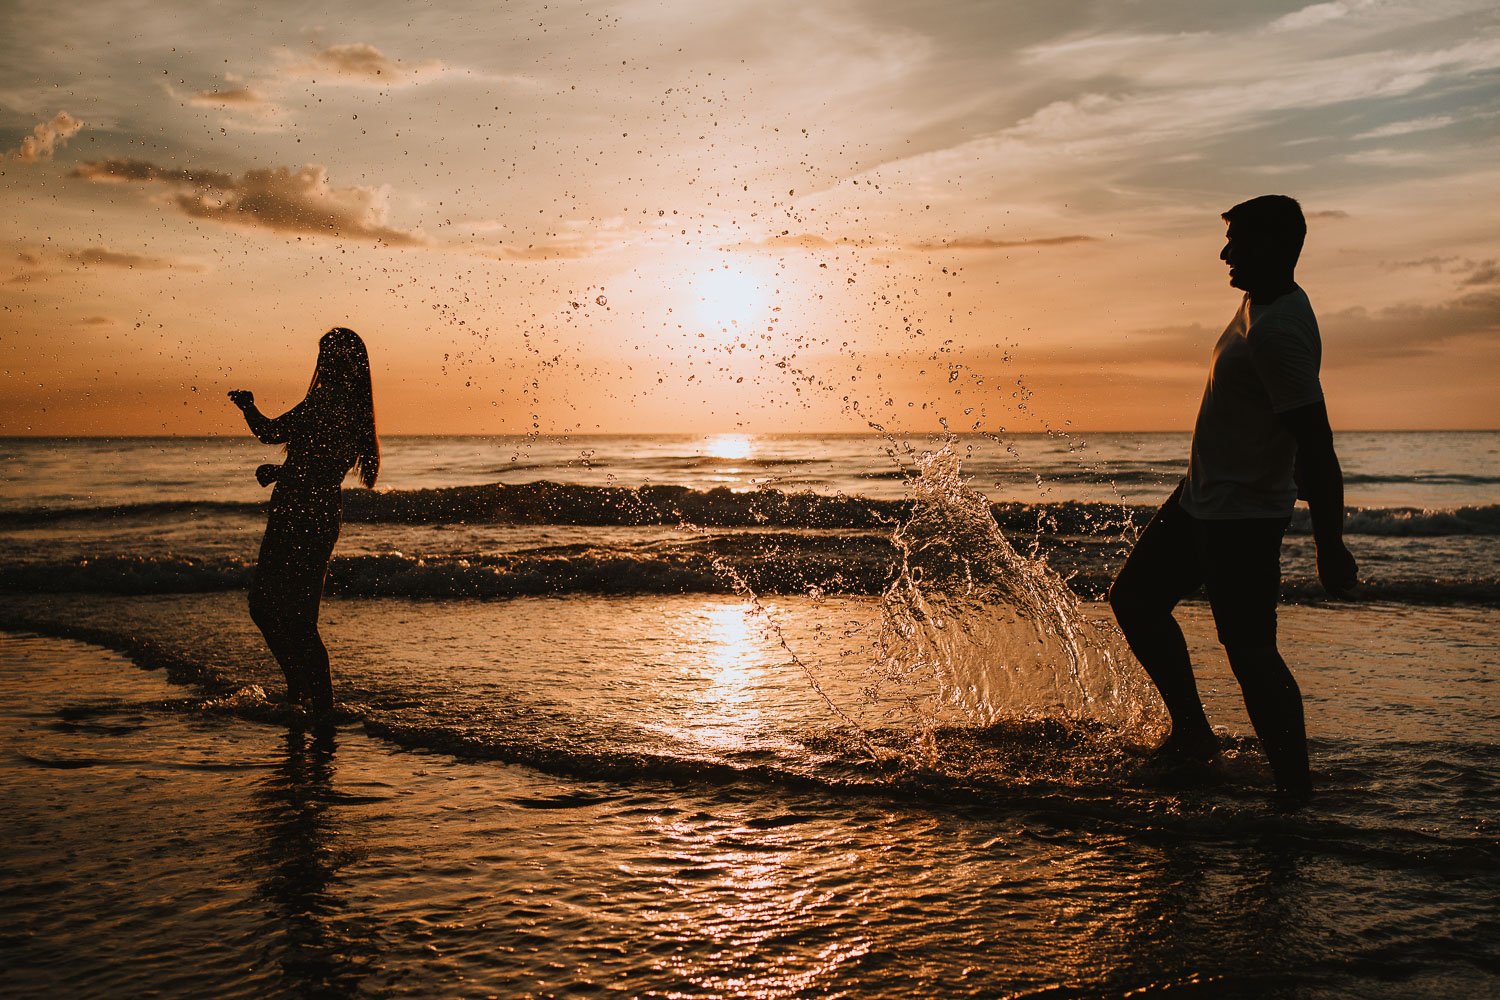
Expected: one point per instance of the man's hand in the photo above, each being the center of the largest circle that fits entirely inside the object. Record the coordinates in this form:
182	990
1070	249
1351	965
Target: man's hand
242	398
1337	570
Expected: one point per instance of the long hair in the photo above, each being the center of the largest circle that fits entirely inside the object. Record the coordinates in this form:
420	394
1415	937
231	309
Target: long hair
341	381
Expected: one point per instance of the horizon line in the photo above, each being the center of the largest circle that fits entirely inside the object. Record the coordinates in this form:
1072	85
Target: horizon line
1072	431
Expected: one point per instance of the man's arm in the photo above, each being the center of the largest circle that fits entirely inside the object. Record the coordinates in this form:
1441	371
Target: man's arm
1320	481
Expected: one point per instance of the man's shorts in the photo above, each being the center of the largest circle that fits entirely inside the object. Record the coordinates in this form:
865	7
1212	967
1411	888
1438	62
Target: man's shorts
1237	561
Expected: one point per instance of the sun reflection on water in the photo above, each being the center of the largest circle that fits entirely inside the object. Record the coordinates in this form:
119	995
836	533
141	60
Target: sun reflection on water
735	447
729	640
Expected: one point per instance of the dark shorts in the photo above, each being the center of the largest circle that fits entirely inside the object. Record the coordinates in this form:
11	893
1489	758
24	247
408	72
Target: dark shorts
1237	561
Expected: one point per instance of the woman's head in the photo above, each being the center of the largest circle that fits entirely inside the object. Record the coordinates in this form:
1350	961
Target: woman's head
342	379
343	362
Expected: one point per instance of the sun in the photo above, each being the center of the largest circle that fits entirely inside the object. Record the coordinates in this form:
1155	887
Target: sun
728	296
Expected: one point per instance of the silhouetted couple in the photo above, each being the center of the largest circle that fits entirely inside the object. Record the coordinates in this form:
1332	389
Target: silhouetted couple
1262	440
326	435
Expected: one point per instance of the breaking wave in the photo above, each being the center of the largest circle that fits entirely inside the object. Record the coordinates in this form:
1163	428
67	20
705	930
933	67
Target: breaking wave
555	503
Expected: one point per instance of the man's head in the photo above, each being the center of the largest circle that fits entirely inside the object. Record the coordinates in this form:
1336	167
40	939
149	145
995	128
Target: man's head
1263	242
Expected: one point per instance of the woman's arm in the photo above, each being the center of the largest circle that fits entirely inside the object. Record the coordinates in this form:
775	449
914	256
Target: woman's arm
267	429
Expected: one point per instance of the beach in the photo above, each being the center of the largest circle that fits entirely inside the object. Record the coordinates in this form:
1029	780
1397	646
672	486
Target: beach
775	749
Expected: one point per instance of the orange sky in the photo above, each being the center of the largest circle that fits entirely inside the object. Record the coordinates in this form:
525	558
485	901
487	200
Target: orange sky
759	217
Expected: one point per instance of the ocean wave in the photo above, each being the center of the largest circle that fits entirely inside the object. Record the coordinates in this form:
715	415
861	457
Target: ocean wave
22	517
766	562
572	504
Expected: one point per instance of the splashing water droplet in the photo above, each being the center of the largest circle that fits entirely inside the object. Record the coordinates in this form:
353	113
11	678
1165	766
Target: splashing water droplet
999	631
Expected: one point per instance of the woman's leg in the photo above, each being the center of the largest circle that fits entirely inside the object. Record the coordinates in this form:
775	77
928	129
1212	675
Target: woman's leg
271	621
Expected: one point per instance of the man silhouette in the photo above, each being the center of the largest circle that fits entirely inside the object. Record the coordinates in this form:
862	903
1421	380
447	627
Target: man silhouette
1262	440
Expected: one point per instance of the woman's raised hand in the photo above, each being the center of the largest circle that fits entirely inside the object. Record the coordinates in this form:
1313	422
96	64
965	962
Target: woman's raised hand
242	397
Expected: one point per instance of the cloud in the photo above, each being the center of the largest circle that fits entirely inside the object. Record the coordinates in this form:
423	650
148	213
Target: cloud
1329	213
1351	337
787	240
361	63
41	264
45	138
280	199
1486	272
1318	13
1386	157
1476	273
117	170
1408	127
235	97
1409	331
1142	99
983	243
539	251
812	241
104	257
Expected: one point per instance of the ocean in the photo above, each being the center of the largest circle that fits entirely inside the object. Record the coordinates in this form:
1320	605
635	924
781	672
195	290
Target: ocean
731	715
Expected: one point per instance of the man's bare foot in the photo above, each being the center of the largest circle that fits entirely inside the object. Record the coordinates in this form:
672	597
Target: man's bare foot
1200	748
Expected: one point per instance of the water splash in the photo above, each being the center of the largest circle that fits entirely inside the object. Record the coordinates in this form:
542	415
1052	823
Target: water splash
998	632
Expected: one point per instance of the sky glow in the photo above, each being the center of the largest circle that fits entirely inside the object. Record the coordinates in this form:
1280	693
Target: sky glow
736	217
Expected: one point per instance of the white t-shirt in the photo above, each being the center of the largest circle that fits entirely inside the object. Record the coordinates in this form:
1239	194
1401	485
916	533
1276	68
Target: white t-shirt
1265	363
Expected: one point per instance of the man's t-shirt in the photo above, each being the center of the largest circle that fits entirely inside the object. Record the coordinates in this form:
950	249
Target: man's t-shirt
1265	363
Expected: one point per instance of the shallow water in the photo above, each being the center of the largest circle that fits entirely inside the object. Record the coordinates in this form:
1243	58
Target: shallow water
151	823
601	737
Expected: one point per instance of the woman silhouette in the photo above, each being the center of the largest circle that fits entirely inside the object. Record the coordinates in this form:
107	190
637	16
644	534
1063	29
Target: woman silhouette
330	432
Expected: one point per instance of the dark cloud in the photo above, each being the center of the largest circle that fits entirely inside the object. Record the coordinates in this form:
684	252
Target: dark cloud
1484	272
45	138
1409	331
983	243
100	256
124	171
281	199
233	97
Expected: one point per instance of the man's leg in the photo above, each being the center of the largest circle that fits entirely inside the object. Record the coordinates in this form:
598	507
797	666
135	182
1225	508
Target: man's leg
1161	570
1274	702
1242	572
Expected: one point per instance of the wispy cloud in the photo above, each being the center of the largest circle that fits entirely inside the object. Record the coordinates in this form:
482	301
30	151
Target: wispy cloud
788	240
1316	14
42	263
282	199
46	138
984	243
1408	127
362	63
